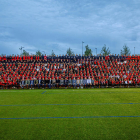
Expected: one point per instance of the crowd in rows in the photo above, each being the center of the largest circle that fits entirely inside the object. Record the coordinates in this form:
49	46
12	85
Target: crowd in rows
69	71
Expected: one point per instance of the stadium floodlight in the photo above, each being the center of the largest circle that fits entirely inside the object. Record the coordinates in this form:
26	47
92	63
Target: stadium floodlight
82	48
21	49
134	51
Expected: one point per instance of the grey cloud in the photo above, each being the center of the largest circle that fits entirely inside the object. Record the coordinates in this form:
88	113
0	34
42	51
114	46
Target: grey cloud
57	25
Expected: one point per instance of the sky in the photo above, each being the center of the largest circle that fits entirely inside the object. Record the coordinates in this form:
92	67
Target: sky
57	25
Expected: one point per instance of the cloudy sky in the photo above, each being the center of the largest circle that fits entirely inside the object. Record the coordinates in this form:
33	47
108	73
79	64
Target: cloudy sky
56	25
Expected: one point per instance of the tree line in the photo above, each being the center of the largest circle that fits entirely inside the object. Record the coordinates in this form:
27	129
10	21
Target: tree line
88	52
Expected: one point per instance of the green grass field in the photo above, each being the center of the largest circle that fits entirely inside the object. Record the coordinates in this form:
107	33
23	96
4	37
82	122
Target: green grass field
67	114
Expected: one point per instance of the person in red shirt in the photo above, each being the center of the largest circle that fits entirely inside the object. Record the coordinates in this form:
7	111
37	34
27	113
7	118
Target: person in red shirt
17	58
4	58
28	58
45	57
20	58
23	58
1	84
106	82
31	58
36	57
10	83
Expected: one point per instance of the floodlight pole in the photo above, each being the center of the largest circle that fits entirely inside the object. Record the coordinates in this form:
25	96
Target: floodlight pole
134	51
21	49
96	51
82	48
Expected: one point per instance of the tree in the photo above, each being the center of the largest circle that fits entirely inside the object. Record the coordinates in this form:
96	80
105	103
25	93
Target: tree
69	52
53	54
126	50
25	53
2	54
88	51
38	53
105	51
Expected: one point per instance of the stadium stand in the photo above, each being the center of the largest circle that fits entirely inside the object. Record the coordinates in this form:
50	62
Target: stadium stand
69	71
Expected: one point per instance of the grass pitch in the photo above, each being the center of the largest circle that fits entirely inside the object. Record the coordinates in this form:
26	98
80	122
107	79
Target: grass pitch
67	114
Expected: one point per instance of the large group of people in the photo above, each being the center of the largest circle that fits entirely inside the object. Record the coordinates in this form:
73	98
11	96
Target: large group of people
69	71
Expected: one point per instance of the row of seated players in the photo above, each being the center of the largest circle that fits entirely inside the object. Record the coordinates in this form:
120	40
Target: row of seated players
57	58
68	82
